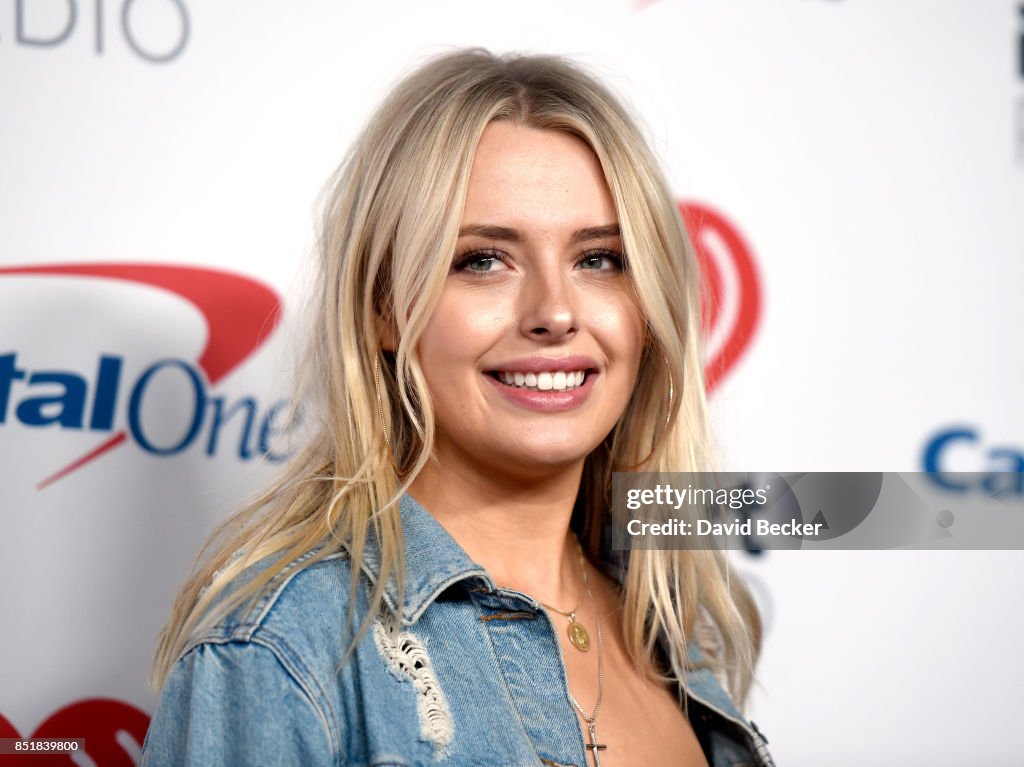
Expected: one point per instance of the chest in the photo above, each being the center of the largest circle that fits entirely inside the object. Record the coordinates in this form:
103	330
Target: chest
639	720
648	732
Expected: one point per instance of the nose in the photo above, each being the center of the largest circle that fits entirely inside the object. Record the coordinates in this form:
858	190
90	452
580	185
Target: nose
548	309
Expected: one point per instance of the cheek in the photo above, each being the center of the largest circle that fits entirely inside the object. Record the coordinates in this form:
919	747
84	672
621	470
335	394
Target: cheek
621	326
462	328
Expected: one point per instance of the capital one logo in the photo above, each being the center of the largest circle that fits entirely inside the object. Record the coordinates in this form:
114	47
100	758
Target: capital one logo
240	314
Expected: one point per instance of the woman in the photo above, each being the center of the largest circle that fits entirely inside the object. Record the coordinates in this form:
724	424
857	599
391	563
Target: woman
507	314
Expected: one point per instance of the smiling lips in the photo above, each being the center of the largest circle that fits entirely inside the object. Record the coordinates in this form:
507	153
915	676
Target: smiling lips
558	380
541	383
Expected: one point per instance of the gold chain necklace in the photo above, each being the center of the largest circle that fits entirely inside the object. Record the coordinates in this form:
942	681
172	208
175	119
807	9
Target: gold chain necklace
593	746
580	639
578	636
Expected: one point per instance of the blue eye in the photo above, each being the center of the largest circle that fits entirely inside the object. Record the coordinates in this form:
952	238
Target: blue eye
601	260
479	262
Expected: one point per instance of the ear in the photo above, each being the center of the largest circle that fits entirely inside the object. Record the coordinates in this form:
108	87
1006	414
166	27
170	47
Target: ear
386	333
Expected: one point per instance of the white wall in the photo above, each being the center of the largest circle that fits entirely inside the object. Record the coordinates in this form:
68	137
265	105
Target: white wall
869	154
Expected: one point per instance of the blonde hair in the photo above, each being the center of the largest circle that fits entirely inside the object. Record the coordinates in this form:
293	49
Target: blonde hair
390	226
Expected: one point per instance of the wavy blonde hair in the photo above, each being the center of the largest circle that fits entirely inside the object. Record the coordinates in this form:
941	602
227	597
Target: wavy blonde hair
390	226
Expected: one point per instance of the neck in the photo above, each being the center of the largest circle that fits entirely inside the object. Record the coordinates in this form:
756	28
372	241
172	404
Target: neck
517	528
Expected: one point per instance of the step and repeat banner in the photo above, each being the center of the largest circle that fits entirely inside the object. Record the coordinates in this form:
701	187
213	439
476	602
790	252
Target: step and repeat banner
854	174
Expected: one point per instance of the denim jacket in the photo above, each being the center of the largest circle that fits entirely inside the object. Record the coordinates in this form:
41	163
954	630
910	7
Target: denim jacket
474	675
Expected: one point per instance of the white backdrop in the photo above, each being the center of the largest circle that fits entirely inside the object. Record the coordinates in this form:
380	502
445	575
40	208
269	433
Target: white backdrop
867	155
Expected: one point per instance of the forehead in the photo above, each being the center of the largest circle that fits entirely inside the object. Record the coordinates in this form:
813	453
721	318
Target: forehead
531	178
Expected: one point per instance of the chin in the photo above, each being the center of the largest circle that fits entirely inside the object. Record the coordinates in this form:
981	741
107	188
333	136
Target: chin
542	458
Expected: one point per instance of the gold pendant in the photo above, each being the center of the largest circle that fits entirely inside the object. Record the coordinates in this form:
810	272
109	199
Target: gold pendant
578	636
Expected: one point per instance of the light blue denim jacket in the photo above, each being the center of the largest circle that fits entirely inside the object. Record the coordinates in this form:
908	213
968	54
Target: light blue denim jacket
473	676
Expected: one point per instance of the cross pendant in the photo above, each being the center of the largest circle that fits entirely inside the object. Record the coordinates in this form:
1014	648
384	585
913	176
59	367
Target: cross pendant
593	746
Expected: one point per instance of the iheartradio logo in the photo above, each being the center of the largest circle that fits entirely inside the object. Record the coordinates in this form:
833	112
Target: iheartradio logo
113	733
731	293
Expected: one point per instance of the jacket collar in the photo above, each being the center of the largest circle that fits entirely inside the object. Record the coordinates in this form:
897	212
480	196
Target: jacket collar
702	684
433	561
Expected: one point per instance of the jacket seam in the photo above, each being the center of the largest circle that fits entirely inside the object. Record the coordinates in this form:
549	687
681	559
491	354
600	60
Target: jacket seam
509	698
305	679
243	629
256	614
293	674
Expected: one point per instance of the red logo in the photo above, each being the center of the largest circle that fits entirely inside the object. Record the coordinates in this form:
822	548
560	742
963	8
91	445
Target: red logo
98	720
731	293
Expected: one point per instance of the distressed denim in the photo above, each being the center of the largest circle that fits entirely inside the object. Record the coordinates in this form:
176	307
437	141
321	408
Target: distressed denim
474	675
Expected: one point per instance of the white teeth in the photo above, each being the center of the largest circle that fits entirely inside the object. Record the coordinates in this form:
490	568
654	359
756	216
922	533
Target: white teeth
558	380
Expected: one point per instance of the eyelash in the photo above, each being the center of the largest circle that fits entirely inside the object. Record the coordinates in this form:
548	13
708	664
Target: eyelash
463	260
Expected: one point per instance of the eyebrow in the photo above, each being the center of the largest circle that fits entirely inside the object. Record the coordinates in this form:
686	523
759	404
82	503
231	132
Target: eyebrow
507	234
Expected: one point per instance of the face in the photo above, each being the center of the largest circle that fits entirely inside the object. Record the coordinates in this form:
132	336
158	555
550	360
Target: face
532	353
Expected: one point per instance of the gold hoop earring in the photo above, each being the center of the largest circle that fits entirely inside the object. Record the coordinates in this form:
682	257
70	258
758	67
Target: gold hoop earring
380	401
671	394
668	419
